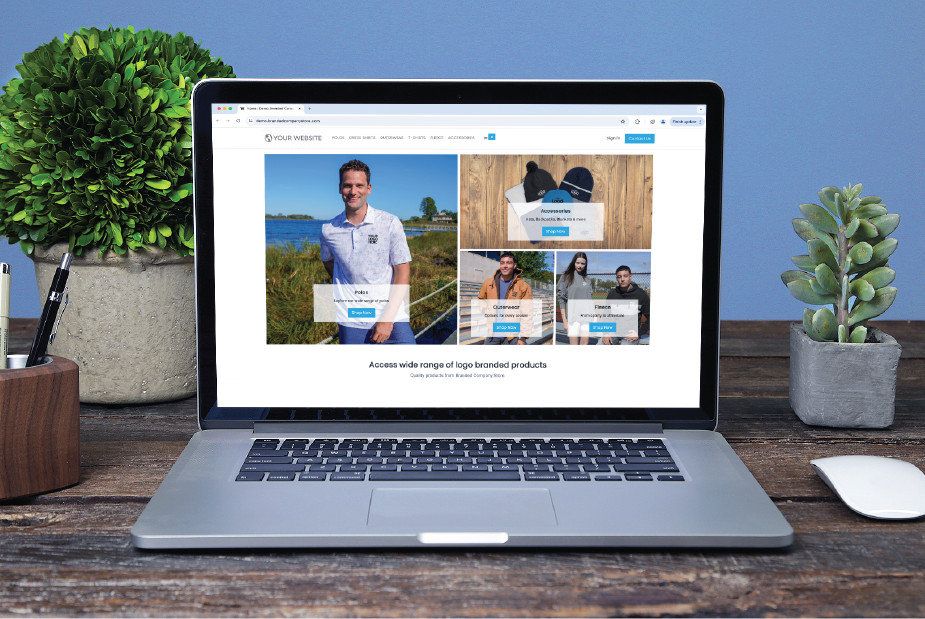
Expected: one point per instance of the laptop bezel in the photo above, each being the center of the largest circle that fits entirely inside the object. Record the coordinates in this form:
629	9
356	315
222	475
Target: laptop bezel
230	91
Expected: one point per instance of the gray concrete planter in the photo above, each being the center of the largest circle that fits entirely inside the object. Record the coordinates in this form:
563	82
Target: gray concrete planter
843	385
129	325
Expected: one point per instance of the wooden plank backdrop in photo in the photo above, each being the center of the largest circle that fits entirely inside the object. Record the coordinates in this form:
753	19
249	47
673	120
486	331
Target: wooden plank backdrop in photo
623	183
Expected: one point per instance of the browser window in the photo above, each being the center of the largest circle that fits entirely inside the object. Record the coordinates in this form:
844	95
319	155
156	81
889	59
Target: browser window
505	251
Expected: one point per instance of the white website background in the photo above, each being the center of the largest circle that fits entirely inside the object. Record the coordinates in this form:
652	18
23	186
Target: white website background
252	373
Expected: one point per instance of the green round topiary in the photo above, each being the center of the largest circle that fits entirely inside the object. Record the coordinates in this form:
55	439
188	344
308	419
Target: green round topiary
95	141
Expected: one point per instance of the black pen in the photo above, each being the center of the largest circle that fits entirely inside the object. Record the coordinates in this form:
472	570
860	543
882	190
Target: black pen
50	311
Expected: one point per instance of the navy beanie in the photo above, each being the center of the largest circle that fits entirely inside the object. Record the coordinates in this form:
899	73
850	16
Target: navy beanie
578	182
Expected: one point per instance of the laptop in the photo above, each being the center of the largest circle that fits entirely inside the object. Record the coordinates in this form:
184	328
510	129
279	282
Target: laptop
458	313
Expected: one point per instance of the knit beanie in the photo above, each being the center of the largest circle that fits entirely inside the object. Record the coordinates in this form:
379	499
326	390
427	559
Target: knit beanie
579	183
537	182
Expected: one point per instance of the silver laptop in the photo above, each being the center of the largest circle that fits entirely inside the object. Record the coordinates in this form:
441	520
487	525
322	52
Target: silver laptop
458	313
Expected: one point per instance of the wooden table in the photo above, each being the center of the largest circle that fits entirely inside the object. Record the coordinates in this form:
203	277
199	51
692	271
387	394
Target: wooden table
68	553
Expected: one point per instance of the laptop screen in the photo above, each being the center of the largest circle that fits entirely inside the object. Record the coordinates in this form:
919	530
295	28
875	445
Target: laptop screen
457	250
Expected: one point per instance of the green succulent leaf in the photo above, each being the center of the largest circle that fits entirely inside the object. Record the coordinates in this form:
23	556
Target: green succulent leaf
865	310
802	290
803	262
825	324
842	334
826	278
884	249
858	335
861	253
820	252
866	230
852	227
789	276
871	200
804	229
866	211
827	197
819	217
862	289
879	277
808	315
886	224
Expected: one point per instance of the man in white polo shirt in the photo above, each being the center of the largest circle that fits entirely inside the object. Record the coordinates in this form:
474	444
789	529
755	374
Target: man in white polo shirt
367	246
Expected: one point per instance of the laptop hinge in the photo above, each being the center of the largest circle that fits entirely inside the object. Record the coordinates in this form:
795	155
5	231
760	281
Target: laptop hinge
469	429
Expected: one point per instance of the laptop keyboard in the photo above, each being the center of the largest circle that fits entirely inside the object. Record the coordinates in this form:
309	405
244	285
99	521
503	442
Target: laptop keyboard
606	460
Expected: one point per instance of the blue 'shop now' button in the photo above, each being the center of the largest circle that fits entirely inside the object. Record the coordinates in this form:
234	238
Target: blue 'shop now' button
361	312
555	230
639	138
506	327
603	327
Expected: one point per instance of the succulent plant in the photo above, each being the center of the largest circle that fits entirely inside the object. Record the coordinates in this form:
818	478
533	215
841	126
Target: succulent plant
95	141
846	264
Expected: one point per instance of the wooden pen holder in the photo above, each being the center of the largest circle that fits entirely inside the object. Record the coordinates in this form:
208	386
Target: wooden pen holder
39	426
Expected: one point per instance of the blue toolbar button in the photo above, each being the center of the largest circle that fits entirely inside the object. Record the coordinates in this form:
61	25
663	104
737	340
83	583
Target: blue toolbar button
639	138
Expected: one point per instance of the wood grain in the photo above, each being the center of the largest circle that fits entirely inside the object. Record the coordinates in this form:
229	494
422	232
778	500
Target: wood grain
622	183
68	553
39	428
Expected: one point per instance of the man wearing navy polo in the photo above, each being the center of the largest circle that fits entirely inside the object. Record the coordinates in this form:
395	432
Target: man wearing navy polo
367	246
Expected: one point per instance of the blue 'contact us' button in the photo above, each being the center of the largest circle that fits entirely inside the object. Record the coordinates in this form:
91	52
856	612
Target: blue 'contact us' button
555	230
506	327
639	138
603	327
361	312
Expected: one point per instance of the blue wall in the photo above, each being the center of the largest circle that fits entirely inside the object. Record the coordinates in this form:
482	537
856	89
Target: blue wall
817	93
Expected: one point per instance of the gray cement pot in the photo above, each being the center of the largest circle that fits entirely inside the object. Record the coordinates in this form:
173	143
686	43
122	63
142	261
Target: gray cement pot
843	385
129	325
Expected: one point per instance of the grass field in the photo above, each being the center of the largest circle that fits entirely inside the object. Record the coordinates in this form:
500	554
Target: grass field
292	271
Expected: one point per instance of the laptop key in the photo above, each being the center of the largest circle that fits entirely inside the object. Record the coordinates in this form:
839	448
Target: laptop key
645	468
540	476
444	475
313	476
254	476
269	460
348	476
608	478
273	468
576	477
670	478
281	477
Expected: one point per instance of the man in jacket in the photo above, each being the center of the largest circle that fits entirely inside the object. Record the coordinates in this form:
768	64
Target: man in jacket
508	285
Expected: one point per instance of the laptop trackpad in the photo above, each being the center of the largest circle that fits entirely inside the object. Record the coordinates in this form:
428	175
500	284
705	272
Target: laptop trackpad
461	509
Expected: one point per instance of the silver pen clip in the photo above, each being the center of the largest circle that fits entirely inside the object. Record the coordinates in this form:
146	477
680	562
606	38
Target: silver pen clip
60	314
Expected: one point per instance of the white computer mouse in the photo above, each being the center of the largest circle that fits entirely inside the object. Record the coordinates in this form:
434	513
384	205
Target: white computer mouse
875	487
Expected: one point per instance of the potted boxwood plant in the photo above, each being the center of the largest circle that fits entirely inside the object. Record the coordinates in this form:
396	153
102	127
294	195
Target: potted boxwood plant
95	160
846	271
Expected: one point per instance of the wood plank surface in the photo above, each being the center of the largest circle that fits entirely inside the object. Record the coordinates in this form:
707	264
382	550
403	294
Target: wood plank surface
67	553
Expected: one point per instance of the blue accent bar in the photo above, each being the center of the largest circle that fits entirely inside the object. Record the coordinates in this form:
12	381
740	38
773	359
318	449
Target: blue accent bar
603	327
639	138
555	230
506	327
361	312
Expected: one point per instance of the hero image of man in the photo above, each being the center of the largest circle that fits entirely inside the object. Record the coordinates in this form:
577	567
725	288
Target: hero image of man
364	245
373	271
